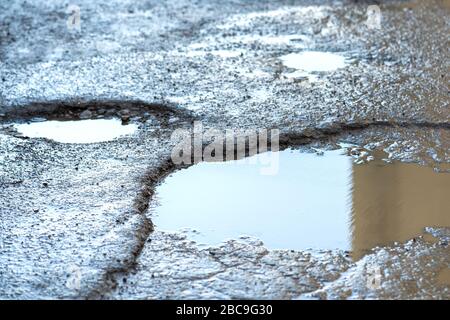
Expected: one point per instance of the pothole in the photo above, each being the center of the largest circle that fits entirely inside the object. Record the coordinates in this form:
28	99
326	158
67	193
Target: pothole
90	122
309	63
348	199
82	131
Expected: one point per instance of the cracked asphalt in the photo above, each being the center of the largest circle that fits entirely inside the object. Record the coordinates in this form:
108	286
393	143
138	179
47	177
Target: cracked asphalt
74	220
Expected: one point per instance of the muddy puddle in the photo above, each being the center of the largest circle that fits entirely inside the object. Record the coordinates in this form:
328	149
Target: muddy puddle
309	64
80	131
324	200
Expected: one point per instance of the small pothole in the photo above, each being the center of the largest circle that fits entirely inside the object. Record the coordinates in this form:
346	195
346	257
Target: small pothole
82	131
89	122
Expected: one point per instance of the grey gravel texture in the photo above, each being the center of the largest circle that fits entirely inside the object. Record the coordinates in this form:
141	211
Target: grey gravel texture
74	218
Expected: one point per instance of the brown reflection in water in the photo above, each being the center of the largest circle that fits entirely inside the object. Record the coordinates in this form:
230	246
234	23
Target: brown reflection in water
395	202
444	277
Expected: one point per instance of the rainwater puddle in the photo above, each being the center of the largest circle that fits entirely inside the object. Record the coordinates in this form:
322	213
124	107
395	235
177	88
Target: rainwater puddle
80	131
309	62
314	201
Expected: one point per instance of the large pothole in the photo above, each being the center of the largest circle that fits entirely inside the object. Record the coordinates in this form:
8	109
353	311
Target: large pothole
350	199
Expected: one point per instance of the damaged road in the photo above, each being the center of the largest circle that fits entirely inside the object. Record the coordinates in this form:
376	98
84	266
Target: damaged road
75	218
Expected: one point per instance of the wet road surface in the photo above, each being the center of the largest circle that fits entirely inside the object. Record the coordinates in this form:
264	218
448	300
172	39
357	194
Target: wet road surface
74	217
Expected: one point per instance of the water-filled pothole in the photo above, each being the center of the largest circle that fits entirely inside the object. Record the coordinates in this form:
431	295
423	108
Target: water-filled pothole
308	63
321	201
81	131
